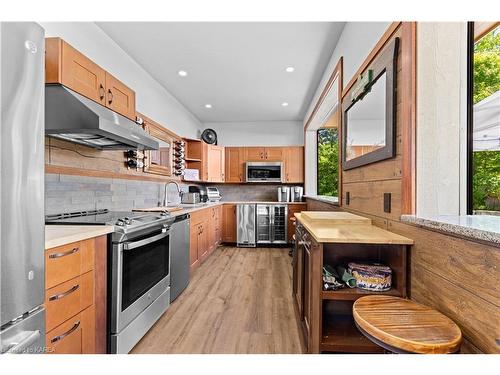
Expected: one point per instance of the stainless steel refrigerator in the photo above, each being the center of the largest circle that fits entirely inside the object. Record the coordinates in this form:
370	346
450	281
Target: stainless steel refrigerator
22	235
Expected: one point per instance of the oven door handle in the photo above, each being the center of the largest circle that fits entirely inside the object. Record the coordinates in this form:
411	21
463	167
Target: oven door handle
133	245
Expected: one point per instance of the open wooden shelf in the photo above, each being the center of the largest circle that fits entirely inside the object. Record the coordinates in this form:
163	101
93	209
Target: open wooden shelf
352	294
340	335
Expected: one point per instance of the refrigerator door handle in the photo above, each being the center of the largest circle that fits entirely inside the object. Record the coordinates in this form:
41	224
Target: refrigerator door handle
19	347
271	223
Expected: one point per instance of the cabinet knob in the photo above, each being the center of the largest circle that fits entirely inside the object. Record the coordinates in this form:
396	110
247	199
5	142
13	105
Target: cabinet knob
110	96
102	92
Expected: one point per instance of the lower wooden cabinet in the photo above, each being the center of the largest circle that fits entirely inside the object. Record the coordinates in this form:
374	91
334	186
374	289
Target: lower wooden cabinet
229	223
205	234
75	299
198	248
292	210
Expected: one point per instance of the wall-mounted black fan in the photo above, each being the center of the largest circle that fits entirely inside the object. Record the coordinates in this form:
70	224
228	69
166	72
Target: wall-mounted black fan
209	136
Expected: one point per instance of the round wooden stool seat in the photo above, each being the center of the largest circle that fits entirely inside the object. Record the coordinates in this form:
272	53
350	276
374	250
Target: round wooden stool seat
403	326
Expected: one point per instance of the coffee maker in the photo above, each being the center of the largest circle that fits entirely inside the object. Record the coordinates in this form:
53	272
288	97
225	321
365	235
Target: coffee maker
283	194
296	194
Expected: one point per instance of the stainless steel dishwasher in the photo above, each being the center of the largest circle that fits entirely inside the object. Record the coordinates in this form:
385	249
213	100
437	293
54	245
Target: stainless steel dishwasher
179	256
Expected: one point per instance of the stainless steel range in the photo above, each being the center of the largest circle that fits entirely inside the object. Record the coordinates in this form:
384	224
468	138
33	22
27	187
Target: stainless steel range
139	269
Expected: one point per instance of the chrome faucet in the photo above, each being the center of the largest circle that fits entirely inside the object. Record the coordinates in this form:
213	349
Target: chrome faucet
165	198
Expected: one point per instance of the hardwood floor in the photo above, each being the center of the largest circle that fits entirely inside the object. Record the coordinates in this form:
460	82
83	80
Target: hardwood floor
238	301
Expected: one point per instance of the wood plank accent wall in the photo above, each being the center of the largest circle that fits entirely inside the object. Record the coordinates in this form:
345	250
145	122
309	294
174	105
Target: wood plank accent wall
457	276
70	158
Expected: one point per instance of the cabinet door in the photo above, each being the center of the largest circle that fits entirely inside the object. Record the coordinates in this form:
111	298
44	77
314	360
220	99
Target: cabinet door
255	153
203	244
229	223
292	209
274	153
234	164
194	233
307	296
212	242
218	226
81	74
294	165
298	279
215	163
66	338
119	97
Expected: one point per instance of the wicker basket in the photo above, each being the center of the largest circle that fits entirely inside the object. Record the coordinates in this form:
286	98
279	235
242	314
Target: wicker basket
374	277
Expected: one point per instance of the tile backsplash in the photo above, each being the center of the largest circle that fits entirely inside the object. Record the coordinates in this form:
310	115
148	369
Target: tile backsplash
66	193
249	192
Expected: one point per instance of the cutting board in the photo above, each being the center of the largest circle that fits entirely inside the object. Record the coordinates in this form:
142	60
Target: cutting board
159	209
327	217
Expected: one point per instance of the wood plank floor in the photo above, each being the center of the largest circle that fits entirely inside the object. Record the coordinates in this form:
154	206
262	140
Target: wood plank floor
238	301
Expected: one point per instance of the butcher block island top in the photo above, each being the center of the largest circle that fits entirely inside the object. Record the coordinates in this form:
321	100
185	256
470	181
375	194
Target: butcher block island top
344	227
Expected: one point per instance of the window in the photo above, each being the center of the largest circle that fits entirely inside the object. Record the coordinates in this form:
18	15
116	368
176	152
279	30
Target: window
484	119
328	162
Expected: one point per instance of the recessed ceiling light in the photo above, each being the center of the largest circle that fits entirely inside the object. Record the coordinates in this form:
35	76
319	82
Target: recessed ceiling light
289	69
284	104
182	73
208	105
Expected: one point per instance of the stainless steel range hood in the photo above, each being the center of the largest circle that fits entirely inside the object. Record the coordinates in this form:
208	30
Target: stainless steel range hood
72	117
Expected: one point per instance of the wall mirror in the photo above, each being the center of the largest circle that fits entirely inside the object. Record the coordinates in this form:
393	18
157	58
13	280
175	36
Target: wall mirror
369	120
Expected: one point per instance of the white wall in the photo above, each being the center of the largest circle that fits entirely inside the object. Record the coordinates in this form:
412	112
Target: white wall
262	133
441	118
151	98
354	45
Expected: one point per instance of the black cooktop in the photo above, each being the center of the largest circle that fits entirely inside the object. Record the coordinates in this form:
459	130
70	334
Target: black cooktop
96	217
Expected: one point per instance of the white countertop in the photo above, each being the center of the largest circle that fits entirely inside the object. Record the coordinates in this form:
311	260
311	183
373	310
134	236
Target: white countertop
324	198
481	227
58	235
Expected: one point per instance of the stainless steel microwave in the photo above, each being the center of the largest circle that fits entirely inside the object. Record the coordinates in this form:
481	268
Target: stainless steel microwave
264	171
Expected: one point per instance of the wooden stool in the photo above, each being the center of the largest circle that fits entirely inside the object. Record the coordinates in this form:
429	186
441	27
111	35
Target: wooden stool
403	326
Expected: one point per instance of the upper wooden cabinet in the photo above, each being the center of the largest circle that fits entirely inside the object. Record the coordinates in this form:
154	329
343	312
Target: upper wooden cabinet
274	153
67	66
264	153
255	153
119	97
214	164
294	164
235	164
159	161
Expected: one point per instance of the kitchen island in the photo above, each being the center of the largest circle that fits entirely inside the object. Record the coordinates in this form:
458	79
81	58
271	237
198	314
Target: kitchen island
335	239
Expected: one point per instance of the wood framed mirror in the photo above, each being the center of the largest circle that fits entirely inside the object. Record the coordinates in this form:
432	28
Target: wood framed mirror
159	161
369	113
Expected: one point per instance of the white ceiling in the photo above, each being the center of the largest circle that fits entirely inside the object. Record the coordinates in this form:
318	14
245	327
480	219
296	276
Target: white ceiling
239	68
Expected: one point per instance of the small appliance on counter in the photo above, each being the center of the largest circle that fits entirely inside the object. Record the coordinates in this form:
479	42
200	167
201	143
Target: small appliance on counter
297	192
213	194
283	194
190	198
201	190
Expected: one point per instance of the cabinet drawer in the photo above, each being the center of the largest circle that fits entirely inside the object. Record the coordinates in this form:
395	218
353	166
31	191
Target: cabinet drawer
66	338
68	299
67	262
